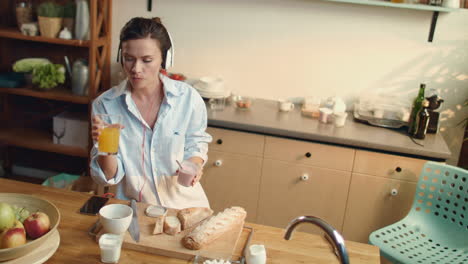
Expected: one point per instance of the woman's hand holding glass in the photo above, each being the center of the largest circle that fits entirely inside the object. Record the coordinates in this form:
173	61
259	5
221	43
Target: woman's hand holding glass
106	131
190	173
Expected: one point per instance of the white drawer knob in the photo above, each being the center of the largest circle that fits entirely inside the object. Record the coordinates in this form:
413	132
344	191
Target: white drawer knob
394	192
218	163
304	177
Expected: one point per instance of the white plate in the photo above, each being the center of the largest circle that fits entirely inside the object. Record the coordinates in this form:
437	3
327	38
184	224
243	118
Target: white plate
40	254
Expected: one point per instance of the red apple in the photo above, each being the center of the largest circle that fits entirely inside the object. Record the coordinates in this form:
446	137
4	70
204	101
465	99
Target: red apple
13	237
37	224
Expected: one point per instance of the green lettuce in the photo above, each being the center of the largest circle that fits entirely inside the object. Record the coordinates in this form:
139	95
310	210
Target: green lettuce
48	76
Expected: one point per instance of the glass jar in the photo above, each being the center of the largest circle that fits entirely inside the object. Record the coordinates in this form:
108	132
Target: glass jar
24	13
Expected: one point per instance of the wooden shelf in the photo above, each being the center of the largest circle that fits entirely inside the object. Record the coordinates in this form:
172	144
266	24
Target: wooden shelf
58	94
38	140
24	178
14	33
397	5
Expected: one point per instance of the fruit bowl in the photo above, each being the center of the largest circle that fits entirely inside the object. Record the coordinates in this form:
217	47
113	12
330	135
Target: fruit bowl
32	204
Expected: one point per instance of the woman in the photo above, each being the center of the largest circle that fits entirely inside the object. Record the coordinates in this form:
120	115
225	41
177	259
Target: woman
163	121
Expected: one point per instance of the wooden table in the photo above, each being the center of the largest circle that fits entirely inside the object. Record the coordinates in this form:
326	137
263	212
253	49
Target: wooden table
77	247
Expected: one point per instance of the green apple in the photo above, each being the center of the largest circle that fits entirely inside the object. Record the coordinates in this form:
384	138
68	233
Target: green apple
7	216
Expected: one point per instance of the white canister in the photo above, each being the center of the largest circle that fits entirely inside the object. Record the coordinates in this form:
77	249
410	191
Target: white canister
340	119
256	254
285	105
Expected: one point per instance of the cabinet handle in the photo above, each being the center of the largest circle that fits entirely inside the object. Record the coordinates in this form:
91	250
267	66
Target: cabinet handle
398	169
394	192
308	155
219	141
304	177
218	163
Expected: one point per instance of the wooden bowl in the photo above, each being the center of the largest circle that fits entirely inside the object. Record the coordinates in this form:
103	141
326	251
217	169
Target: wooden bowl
32	204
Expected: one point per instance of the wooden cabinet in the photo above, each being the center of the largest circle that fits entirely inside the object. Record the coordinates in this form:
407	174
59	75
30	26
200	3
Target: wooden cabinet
290	190
27	112
375	202
231	176
309	153
232	180
381	192
276	180
388	166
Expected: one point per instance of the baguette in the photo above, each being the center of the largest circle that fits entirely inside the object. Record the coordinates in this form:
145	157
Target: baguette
189	217
214	227
171	225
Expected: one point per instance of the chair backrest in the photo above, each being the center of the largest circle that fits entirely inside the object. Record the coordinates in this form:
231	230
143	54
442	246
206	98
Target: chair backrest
440	206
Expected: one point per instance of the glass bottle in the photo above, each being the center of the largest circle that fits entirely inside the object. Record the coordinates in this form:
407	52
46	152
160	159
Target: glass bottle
422	121
417	105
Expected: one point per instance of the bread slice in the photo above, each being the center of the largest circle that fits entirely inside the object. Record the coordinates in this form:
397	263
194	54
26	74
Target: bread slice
159	225
171	225
214	227
189	217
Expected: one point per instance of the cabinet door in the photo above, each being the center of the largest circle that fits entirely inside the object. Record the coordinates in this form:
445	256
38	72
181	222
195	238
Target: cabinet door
308	153
286	194
231	141
232	180
371	205
389	166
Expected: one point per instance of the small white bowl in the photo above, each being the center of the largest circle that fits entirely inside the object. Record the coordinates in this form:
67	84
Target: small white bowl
115	218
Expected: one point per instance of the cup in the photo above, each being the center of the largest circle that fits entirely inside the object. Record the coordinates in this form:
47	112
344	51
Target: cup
325	114
108	142
340	119
256	254
115	218
110	245
217	103
285	105
186	173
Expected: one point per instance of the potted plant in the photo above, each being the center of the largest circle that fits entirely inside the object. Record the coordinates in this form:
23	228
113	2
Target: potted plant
69	11
50	16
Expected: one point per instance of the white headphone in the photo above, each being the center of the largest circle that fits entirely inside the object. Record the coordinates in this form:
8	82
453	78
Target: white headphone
170	53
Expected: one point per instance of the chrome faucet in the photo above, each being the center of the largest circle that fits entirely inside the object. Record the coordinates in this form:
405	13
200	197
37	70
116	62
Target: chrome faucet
333	237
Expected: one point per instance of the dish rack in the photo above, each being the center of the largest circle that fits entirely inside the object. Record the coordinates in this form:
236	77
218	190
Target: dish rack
381	122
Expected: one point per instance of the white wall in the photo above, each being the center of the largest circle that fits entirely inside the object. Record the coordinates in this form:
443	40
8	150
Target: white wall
294	48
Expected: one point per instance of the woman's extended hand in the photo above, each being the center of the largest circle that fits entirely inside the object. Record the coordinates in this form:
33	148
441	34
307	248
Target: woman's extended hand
197	177
96	126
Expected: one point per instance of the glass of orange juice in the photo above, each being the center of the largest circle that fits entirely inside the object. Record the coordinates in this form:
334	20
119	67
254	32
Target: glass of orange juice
108	141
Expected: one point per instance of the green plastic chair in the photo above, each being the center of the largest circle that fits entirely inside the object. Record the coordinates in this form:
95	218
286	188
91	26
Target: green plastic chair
436	228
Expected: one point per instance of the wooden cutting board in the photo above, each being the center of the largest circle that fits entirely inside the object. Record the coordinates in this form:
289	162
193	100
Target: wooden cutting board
171	246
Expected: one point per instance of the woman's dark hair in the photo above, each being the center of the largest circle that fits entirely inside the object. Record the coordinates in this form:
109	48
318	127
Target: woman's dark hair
140	28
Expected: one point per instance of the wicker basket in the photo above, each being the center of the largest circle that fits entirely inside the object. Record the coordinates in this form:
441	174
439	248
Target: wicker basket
50	26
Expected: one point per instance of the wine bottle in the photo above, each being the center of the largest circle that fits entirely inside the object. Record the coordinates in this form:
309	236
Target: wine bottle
417	105
422	121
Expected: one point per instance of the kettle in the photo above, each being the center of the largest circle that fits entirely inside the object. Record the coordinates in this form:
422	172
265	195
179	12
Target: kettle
80	77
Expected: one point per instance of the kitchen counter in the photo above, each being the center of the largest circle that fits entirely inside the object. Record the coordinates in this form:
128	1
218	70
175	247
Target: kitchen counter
263	117
77	247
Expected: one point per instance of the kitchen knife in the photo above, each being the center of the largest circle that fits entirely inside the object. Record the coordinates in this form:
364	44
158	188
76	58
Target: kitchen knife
134	228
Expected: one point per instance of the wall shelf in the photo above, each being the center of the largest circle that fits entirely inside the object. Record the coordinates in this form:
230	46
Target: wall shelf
14	33
58	94
420	7
397	5
38	140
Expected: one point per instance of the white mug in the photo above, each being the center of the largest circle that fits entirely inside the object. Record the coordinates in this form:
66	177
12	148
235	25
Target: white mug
256	254
285	105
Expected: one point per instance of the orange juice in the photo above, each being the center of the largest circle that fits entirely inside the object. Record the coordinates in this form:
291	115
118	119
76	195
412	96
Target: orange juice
109	139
